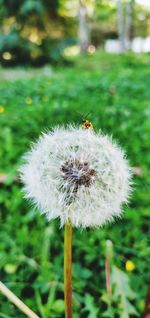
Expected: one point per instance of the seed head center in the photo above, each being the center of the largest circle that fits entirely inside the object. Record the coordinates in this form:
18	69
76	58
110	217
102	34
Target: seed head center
77	173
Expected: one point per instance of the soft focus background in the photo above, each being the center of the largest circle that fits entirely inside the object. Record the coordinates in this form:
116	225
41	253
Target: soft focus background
59	58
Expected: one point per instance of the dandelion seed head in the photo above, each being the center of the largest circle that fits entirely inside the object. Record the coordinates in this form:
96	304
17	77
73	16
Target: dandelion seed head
77	175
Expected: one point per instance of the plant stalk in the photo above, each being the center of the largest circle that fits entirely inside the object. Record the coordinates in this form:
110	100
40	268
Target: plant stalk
16	301
108	279
68	270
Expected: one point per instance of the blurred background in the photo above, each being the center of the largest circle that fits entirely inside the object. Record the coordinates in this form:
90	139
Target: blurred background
59	58
41	32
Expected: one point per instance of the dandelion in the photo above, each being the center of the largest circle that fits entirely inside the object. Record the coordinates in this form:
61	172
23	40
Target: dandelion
28	100
78	176
1	109
130	266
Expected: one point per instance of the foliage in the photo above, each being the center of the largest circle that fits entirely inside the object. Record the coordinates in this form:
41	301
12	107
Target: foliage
35	32
116	90
123	293
28	31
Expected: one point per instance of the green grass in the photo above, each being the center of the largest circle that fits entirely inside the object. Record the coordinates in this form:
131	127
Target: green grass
115	89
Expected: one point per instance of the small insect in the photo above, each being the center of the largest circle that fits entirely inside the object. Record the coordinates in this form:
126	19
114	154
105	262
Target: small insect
86	124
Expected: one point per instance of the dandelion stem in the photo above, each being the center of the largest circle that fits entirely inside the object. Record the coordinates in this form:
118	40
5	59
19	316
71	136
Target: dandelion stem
108	279
68	270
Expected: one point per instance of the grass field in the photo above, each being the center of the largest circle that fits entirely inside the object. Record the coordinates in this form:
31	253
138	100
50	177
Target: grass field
115	89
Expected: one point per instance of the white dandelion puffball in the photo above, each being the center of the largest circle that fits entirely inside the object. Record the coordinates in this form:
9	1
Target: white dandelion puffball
76	175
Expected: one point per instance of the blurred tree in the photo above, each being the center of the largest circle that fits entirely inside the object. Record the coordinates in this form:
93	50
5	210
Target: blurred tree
37	31
121	32
83	32
129	27
103	22
29	25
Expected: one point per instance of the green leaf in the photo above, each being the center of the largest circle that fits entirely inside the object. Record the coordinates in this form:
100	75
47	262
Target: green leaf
58	306
90	306
123	292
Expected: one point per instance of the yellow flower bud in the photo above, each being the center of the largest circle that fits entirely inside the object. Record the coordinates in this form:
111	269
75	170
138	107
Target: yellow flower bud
28	100
1	109
130	266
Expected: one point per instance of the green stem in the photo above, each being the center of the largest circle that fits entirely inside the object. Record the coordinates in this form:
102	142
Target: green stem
68	270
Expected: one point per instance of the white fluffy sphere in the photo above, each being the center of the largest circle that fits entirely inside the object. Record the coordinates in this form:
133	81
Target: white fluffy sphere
78	175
